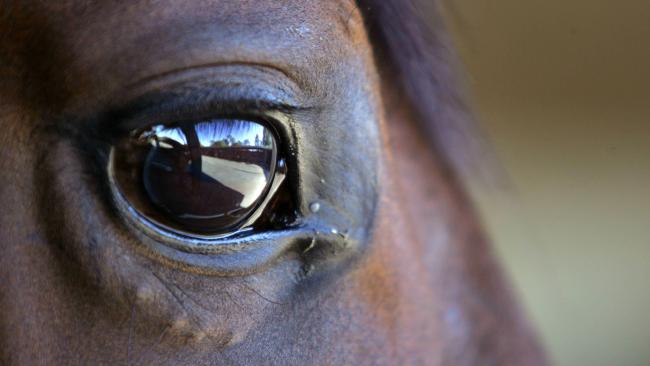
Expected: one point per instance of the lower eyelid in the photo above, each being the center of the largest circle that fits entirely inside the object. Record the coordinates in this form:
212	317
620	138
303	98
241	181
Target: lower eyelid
232	256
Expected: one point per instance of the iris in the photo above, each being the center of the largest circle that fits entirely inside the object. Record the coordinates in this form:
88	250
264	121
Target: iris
204	177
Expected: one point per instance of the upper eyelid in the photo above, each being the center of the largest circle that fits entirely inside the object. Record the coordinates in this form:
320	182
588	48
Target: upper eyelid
201	92
170	107
238	66
192	95
247	77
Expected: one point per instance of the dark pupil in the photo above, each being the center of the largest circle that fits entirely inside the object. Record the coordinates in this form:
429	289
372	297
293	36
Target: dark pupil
200	177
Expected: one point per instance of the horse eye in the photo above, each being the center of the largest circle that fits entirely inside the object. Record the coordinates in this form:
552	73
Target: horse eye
204	178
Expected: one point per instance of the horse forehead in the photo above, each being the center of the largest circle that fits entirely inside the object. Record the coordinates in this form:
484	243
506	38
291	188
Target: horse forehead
77	46
76	16
109	24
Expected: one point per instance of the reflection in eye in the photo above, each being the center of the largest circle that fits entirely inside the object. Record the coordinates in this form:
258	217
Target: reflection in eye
203	178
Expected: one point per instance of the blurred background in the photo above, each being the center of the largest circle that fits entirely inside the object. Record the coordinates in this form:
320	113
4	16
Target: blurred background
562	92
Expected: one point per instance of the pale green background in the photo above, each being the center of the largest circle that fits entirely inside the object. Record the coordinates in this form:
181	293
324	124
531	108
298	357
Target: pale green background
562	90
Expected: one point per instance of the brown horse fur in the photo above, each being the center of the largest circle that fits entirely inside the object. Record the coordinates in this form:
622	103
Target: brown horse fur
76	290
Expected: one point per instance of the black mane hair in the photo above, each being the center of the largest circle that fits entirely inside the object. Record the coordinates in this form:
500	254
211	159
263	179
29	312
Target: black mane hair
411	43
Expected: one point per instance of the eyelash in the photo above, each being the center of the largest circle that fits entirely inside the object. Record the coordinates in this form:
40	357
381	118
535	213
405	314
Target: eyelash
175	107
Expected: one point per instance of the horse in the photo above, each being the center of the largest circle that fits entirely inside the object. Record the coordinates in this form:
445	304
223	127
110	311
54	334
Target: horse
345	236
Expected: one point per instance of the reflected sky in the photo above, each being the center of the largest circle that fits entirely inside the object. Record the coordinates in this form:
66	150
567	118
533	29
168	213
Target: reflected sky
220	132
